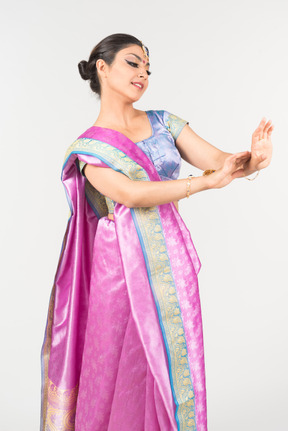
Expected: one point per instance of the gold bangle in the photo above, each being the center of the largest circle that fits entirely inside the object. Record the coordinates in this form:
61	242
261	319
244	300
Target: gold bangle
252	179
188	185
208	172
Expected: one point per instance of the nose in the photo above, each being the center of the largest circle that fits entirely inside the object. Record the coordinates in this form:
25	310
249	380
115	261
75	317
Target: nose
142	72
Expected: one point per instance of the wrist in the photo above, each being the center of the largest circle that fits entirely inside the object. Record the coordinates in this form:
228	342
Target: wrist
198	184
250	169
205	181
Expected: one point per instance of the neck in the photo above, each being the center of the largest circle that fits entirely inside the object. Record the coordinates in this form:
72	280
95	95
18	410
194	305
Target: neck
117	112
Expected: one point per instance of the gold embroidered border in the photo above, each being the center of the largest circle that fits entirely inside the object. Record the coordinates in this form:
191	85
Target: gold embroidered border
45	354
175	125
61	408
96	200
149	222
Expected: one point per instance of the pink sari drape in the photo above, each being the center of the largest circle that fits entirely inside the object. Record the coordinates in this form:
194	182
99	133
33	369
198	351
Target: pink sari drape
123	347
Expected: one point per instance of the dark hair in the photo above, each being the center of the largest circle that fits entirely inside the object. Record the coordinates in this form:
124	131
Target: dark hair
107	50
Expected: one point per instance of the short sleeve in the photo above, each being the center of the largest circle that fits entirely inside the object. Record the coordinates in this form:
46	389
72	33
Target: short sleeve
81	167
174	124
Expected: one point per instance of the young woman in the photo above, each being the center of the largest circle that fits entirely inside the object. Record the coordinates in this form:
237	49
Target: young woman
123	347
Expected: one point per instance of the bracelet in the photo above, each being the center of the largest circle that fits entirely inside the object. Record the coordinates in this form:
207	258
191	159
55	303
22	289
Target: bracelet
208	172
252	179
188	185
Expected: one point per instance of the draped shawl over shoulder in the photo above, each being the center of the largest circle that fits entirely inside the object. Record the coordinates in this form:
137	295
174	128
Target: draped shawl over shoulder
160	265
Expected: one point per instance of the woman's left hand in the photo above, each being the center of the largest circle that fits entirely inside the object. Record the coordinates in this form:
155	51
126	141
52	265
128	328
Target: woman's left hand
261	148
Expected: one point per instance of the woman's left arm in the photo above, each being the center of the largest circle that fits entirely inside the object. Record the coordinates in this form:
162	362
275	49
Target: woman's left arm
203	155
198	152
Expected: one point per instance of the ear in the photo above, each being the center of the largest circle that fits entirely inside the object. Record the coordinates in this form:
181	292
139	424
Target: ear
101	68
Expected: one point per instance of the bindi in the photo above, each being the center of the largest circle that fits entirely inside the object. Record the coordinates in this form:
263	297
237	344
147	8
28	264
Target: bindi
139	58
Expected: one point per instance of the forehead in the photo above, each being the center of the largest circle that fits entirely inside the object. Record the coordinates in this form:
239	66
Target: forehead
134	50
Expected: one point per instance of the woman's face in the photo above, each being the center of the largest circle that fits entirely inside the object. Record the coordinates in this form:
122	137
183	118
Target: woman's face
129	68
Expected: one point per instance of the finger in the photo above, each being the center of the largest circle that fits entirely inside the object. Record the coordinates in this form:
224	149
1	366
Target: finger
271	128
242	156
245	156
235	155
262	123
266	128
240	161
259	131
267	125
242	153
236	161
238	174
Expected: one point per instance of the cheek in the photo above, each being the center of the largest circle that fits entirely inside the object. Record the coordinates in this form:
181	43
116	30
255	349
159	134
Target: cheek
122	76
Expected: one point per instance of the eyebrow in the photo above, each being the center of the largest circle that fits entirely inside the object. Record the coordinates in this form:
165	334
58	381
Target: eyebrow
139	58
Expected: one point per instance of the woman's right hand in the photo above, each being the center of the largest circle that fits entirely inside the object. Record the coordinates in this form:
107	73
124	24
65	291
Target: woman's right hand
230	170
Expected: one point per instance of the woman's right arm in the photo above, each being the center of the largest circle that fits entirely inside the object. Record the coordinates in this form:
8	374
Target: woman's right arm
121	189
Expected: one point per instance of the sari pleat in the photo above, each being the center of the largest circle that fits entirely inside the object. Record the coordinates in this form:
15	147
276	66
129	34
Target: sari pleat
117	390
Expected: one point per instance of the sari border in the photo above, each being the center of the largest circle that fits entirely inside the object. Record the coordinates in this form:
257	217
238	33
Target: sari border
167	303
46	345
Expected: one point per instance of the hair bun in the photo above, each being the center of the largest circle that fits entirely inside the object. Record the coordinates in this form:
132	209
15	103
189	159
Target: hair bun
83	69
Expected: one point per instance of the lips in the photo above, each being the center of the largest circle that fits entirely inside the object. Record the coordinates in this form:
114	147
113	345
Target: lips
138	85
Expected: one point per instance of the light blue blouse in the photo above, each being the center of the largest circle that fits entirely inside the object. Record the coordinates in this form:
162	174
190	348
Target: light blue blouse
160	146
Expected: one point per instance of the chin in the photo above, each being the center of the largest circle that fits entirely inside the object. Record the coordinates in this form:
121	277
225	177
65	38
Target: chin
135	98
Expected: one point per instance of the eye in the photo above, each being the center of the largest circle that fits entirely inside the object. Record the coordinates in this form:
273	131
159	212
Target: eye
136	65
132	64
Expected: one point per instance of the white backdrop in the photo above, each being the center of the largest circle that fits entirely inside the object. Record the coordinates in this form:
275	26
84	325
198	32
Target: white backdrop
221	65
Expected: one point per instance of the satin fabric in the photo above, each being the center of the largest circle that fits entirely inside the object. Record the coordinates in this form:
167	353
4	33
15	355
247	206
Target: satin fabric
107	362
117	389
160	146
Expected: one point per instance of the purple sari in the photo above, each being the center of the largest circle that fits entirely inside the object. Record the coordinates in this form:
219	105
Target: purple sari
123	346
